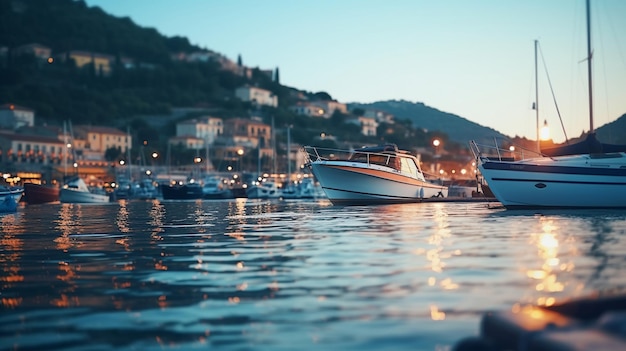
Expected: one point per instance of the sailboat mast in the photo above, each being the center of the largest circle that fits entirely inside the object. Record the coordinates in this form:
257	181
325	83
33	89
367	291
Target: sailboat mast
537	99
589	55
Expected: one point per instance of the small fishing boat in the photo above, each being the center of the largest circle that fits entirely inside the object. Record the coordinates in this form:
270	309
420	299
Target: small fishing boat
9	198
76	191
40	194
371	175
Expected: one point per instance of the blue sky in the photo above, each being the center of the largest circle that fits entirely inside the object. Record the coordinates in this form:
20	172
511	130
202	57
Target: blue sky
474	59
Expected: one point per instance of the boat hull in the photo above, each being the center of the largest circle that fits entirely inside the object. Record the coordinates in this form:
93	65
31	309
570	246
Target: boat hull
347	183
546	185
183	192
40	194
77	196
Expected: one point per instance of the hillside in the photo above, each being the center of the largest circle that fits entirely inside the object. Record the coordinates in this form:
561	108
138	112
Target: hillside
614	132
158	84
458	128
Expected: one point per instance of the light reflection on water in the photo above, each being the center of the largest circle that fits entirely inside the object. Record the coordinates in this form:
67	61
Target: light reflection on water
246	274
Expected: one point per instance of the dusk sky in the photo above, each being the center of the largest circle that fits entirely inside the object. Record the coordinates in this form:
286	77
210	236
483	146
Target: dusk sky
474	59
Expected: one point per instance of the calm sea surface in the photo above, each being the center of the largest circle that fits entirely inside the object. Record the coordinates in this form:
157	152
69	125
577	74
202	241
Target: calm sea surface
283	275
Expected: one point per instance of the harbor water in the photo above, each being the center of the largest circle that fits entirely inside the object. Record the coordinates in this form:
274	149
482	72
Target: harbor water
288	275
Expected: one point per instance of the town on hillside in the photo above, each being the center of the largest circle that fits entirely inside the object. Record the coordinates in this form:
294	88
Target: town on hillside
43	153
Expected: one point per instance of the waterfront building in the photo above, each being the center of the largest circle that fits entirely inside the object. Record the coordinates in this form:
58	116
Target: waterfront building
30	149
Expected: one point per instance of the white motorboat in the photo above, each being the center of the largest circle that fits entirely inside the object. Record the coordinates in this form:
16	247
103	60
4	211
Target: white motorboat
371	175
77	191
587	174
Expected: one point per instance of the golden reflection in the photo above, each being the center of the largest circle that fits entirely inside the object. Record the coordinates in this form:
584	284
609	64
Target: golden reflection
160	266
66	225
122	218
12	302
237	215
435	314
546	276
11	250
157	214
65	301
234	300
437	254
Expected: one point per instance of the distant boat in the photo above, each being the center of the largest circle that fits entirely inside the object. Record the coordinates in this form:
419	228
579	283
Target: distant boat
145	190
214	187
76	191
587	174
310	189
9	198
371	175
189	191
40	194
266	189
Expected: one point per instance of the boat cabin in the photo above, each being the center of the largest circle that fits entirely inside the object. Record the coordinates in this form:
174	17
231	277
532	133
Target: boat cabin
388	155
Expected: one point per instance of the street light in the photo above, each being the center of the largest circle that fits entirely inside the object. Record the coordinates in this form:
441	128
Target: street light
436	144
240	154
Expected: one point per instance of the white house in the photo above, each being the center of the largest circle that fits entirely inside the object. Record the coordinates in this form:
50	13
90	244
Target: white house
379	116
257	95
368	124
308	109
323	108
206	128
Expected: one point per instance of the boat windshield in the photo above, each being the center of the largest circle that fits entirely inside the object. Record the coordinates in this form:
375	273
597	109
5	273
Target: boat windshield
389	160
408	166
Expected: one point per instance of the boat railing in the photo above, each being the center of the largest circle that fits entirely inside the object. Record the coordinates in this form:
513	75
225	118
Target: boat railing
501	150
314	153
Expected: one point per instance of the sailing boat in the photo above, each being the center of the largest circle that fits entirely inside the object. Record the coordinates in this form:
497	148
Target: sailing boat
587	174
76	190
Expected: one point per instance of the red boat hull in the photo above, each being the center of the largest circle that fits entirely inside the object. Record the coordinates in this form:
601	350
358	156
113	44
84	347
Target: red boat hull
40	194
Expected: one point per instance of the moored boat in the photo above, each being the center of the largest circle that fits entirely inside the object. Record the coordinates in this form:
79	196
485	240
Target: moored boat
10	198
265	189
371	175
77	191
189	191
215	187
587	174
40	194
